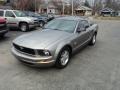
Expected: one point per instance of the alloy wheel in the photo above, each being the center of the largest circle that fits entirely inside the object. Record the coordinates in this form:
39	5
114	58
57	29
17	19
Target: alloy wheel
64	57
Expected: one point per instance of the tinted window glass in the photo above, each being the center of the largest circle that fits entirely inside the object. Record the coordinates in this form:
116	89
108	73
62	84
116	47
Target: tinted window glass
1	13
9	14
19	14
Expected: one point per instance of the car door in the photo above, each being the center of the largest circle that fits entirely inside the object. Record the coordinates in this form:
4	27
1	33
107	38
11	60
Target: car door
87	30
11	19
82	33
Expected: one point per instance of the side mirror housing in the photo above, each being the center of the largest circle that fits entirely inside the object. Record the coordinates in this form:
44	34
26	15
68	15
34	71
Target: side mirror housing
86	26
81	30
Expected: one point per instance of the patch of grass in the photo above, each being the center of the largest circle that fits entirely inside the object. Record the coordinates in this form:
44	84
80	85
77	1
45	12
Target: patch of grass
107	18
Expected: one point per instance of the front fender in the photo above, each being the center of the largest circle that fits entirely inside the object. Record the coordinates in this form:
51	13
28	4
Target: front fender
59	48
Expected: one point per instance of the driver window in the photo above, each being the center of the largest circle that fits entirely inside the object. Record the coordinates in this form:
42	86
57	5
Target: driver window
9	14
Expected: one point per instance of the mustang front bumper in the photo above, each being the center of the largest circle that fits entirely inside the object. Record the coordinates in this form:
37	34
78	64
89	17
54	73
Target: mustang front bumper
33	61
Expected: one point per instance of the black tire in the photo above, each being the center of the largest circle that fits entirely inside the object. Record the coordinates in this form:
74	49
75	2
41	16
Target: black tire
41	23
2	36
59	63
24	27
93	40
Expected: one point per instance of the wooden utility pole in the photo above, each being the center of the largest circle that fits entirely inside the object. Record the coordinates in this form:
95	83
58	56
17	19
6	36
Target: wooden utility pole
72	8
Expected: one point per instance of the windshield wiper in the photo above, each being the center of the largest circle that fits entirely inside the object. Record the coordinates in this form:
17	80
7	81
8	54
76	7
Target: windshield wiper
57	29
53	29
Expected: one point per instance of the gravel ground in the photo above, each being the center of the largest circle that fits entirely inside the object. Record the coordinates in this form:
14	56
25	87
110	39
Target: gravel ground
93	68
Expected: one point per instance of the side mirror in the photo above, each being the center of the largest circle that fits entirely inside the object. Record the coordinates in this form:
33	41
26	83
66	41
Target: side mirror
81	30
87	26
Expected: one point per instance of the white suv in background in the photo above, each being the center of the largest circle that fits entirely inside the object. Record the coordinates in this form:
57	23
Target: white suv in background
18	19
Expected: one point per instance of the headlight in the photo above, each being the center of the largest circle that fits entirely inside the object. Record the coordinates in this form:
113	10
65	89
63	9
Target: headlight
44	53
31	22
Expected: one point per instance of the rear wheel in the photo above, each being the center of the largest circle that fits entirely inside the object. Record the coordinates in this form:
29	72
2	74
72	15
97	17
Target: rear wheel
93	40
24	27
63	58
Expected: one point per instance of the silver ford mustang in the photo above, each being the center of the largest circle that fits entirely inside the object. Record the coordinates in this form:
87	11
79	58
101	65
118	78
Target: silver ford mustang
55	44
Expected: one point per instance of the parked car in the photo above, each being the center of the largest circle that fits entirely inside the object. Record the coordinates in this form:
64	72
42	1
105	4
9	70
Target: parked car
48	16
42	20
55	44
18	19
3	27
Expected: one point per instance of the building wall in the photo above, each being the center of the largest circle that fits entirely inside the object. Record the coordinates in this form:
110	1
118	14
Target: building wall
88	13
83	13
51	10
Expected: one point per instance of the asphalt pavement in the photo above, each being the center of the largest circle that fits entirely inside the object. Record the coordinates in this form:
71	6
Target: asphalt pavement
92	68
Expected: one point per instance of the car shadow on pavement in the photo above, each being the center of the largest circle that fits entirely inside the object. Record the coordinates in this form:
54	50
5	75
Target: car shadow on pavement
5	38
16	29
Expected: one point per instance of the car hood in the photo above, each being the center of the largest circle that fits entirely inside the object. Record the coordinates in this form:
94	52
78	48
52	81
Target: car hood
41	39
27	18
43	18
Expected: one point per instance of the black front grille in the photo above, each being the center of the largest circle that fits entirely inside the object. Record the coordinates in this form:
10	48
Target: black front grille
36	22
24	49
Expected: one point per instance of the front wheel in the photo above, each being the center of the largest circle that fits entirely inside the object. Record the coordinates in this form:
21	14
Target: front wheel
24	27
63	58
2	36
93	40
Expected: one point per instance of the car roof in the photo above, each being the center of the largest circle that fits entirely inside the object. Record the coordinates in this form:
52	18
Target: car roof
8	10
76	18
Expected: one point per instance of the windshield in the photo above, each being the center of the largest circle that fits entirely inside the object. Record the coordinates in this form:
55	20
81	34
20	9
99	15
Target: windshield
62	25
1	13
19	14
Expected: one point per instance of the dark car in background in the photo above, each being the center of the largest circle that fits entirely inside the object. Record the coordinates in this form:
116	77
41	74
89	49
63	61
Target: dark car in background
48	16
42	20
3	27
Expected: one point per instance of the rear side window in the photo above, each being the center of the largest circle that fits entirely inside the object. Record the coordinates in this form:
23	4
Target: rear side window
1	13
9	14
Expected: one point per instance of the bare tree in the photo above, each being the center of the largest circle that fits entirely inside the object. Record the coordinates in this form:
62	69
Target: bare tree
87	3
27	4
108	3
97	6
58	4
67	8
76	3
114	4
